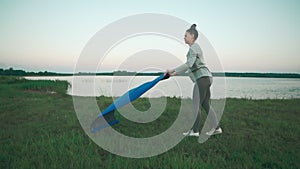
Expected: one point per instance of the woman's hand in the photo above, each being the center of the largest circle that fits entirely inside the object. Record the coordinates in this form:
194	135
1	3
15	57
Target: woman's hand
171	72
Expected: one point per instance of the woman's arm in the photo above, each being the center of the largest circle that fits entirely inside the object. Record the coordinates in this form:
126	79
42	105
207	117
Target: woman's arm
191	58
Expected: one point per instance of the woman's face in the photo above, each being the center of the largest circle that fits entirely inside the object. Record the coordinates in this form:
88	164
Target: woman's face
188	38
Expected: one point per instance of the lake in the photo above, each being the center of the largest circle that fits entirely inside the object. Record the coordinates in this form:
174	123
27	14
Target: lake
182	86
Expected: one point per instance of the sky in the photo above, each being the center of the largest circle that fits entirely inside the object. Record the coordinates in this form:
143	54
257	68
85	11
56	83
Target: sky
247	35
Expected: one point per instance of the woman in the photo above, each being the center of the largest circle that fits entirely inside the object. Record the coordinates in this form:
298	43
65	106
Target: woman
202	78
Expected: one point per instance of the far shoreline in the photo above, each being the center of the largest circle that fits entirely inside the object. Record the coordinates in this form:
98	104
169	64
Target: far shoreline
13	72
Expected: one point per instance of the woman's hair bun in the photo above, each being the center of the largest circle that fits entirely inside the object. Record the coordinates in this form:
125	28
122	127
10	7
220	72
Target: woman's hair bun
193	26
193	31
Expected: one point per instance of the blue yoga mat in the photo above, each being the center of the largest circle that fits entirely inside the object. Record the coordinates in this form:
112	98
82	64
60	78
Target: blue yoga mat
107	118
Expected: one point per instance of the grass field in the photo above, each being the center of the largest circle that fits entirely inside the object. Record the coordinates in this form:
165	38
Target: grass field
39	129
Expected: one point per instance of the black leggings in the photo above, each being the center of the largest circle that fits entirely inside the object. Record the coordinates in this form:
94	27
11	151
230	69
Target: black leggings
203	98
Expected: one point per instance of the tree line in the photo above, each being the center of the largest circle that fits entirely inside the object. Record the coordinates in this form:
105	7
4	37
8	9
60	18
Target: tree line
15	72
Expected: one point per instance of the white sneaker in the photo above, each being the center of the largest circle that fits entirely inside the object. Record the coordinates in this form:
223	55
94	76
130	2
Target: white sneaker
187	133
218	131
191	133
194	134
214	131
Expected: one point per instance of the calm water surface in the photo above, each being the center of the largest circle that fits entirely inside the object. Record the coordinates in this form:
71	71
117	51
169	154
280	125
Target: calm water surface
181	86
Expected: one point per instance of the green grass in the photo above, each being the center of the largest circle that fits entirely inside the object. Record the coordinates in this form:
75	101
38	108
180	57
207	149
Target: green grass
39	129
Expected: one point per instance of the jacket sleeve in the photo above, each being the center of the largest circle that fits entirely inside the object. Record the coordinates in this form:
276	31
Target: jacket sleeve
191	58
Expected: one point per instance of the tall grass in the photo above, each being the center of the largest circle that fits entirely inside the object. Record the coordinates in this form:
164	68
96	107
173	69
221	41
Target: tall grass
47	86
